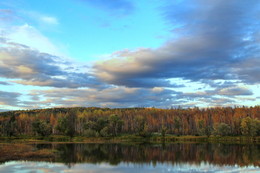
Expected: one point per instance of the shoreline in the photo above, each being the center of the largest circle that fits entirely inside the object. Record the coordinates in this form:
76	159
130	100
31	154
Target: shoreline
133	139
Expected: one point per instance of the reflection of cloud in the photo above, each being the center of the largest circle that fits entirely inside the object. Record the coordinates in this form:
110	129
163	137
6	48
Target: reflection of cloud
16	166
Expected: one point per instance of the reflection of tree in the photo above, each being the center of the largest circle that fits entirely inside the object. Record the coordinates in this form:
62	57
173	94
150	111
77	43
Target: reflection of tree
97	153
217	154
68	154
220	154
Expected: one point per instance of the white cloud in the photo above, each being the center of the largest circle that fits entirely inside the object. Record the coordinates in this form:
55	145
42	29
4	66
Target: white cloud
40	18
49	20
30	36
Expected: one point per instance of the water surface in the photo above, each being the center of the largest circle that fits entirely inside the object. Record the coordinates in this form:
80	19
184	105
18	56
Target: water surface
141	158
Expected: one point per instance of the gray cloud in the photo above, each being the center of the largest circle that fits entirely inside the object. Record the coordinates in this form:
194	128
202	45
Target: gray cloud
234	91
136	97
123	97
248	70
4	83
227	96
211	40
228	92
31	67
9	98
109	97
214	101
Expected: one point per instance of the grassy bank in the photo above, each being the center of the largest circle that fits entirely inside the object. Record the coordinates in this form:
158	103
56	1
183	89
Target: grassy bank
25	152
134	138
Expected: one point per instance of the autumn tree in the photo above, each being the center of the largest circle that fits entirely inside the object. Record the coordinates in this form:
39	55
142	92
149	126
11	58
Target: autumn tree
141	121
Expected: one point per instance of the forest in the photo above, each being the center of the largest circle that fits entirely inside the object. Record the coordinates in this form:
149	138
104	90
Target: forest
144	122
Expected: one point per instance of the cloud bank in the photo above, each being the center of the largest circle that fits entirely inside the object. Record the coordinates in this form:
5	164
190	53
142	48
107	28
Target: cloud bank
30	67
211	58
211	40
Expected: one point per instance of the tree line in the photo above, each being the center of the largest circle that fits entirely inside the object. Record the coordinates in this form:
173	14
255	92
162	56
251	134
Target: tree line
105	122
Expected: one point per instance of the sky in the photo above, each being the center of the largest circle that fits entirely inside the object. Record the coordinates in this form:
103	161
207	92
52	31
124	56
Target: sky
129	53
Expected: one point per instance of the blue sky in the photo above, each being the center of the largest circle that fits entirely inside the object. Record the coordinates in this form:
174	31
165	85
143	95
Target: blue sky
122	53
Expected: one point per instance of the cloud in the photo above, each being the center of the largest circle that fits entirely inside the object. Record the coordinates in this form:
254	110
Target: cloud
28	35
211	40
41	19
6	15
49	20
115	7
225	91
109	97
235	91
137	97
30	67
249	70
4	83
9	98
222	95
213	43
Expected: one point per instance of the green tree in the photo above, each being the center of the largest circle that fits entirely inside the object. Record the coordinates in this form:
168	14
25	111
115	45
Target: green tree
98	127
90	133
208	130
42	128
249	126
222	129
177	124
139	124
66	125
104	132
163	130
10	126
201	128
101	123
92	125
141	127
115	124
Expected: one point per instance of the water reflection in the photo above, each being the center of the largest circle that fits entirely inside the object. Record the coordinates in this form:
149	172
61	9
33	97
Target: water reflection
184	157
220	154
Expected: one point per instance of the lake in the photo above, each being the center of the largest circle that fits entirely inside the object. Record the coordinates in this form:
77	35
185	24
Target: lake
131	158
